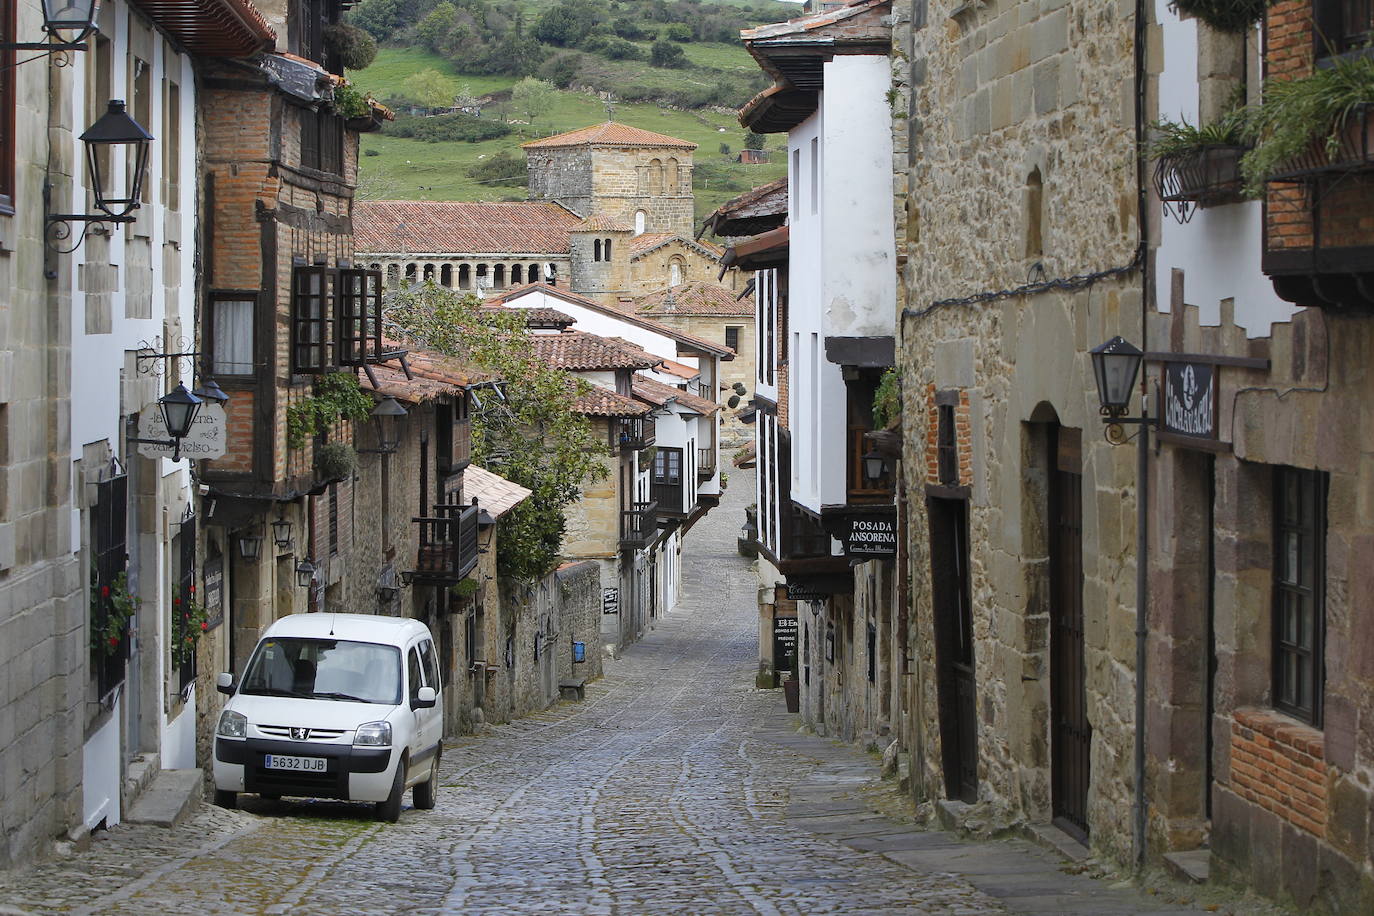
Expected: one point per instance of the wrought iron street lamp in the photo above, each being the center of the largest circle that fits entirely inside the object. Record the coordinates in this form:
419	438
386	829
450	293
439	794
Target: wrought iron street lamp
1115	366
116	129
875	466
210	390
178	408
250	547
281	533
70	22
305	573
386	417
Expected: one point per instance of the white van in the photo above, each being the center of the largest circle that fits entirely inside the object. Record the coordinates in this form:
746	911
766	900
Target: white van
342	706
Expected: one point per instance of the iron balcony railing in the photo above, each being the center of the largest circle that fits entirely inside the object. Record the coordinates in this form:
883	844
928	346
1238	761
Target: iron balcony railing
634	433
448	543
637	525
706	463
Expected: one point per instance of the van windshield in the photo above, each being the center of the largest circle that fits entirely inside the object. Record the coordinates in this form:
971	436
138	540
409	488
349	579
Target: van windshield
324	669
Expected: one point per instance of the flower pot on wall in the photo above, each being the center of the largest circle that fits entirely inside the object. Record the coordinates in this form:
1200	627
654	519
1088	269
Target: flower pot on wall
335	461
1351	151
1207	177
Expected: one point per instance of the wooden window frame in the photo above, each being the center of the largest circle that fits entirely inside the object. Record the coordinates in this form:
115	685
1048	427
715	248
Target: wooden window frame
1308	597
213	298
358	296
314	349
732	330
1329	35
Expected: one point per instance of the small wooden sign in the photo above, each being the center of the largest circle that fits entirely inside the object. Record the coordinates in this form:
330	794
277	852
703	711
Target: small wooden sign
1190	403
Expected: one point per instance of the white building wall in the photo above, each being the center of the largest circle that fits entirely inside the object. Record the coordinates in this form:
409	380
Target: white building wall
1219	248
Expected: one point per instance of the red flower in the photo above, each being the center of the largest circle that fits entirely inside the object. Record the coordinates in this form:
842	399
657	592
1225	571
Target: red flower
193	589
204	625
176	602
114	640
104	591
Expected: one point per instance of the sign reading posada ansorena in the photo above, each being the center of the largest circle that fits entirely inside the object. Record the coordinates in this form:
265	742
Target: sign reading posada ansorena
871	535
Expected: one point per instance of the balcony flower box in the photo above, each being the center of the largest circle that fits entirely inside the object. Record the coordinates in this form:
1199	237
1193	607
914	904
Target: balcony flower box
1207	176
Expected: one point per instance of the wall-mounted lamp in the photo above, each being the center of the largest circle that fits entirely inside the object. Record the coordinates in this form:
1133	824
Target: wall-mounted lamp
68	21
114	129
875	466
178	408
210	390
281	533
386	418
1115	366
305	573
250	547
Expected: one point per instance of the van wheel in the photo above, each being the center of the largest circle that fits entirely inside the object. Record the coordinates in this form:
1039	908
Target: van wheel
226	799
424	792
390	810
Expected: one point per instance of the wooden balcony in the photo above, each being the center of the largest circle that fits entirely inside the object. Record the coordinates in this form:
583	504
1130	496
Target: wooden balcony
447	544
667	496
637	525
803	537
706	464
633	433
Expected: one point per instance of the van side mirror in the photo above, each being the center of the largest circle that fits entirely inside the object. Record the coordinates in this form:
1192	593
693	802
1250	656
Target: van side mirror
425	698
224	683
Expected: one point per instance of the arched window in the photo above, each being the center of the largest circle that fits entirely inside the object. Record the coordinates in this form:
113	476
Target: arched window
500	276
446	275
410	273
393	275
673	184
655	177
516	272
532	274
483	278
465	276
429	272
596	249
675	272
641	219
606	249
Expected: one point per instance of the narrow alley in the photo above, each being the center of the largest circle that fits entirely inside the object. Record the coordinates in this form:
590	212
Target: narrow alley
675	786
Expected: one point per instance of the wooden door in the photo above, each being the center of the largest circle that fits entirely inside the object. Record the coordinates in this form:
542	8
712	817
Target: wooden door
954	656
1071	737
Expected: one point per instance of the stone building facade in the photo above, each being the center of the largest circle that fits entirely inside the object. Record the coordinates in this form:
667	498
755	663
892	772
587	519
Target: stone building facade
1021	533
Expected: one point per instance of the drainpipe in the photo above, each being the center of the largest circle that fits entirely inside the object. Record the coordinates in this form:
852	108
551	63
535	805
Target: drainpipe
1142	570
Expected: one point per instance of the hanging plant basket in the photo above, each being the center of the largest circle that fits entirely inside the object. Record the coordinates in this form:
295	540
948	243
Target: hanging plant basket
336	460
1206	177
1349	149
1224	15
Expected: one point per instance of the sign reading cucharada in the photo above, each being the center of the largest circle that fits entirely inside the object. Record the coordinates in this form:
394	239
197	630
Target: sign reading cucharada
1190	400
872	535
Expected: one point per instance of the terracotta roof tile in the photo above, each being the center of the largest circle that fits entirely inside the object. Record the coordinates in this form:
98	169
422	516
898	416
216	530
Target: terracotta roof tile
646	242
494	493
455	227
578	350
610	133
603	402
695	299
658	394
600	222
541	317
681	370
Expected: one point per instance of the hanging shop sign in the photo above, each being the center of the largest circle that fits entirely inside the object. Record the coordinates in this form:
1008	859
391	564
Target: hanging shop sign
785	644
871	535
205	440
214	592
1190	403
800	591
610	601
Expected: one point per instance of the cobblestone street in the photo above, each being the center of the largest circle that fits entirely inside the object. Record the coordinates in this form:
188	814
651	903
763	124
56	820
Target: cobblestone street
675	786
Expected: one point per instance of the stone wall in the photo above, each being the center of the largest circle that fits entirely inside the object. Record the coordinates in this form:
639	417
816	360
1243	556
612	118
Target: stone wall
43	642
1014	142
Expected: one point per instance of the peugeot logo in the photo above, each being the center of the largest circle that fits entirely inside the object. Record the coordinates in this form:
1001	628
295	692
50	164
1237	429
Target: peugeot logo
300	734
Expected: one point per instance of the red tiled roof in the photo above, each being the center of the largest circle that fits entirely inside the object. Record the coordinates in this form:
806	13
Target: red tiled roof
646	242
457	227
610	133
681	370
603	402
695	299
658	394
602	223
541	317
578	350
494	493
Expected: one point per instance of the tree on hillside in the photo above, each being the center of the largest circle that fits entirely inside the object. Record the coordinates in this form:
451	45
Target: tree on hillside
667	54
434	30
533	97
568	22
754	141
430	88
532	437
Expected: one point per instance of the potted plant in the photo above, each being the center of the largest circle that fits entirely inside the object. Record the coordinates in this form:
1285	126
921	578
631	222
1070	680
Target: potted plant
1313	124
1224	15
1199	164
190	620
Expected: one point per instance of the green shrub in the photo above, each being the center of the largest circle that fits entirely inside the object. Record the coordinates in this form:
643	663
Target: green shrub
446	128
1226	15
668	55
678	31
350	103
613	48
501	168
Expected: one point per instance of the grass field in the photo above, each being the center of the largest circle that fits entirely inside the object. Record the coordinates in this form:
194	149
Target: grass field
415	170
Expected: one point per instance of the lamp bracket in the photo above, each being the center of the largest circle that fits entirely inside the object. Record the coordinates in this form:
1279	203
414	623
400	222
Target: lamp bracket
59	229
155	357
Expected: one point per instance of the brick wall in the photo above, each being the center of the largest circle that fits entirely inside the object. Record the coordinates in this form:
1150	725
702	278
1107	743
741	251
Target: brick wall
963	438
1280	764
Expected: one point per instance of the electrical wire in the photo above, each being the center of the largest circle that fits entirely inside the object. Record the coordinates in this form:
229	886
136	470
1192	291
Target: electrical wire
1075	282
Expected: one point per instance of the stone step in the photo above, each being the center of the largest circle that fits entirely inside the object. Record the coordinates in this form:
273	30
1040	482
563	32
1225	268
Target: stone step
1193	866
172	795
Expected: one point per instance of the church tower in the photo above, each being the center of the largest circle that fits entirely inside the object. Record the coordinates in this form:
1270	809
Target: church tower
630	176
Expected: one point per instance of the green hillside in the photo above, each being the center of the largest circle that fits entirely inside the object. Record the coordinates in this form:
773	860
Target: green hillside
397	167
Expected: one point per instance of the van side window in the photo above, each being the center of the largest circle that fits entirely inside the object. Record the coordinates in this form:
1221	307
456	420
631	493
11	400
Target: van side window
413	672
430	663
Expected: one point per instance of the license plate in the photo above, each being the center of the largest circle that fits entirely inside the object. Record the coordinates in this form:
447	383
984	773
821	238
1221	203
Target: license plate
301	764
